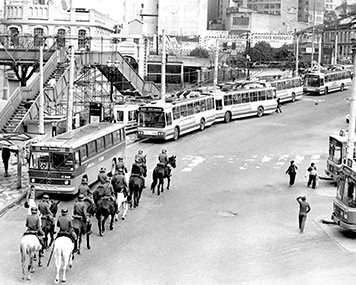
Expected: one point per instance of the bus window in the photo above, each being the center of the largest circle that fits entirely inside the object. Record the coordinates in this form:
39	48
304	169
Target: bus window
120	116
39	160
132	116
123	135
348	195
270	94
190	109
253	96
108	140
312	81
209	104
91	148
62	161
76	160
169	118
227	100
100	144
335	151
183	110
196	107
262	95
218	104
116	136
237	98
83	152
245	98
203	105
176	113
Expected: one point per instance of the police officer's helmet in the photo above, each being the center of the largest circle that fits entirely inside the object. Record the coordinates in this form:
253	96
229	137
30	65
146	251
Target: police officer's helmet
120	170
140	152
45	197
121	158
64	211
81	197
33	210
164	151
85	180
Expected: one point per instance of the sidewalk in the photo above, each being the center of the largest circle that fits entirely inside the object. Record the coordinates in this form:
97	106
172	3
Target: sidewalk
9	194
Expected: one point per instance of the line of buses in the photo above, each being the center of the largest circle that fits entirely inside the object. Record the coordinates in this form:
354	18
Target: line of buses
58	164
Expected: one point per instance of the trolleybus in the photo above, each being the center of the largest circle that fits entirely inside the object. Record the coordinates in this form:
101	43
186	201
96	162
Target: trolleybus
288	89
127	114
58	164
169	120
344	204
244	102
325	82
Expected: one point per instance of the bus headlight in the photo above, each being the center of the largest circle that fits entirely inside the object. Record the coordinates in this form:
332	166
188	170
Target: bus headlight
140	133
160	133
33	180
346	215
66	182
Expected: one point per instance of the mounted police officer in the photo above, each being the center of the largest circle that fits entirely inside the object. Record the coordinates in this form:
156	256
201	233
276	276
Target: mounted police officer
44	208
121	165
33	225
163	160
119	182
84	188
102	176
64	223
80	211
140	160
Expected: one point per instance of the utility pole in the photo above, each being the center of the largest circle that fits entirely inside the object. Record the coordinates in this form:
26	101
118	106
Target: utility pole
312	53
216	64
70	91
297	55
351	133
163	70
319	52
41	95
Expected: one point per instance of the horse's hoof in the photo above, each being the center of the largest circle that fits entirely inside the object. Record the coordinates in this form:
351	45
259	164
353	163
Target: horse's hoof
78	252
167	188
123	218
35	258
88	247
40	264
28	277
56	281
116	219
32	270
111	228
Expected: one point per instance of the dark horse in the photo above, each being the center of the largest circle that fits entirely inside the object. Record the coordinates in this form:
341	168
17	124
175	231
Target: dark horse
104	209
135	190
160	172
81	228
48	224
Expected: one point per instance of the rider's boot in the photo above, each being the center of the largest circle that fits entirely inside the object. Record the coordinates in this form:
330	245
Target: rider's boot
89	228
41	240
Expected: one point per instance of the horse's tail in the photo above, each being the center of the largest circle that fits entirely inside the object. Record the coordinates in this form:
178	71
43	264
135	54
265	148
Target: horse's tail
22	252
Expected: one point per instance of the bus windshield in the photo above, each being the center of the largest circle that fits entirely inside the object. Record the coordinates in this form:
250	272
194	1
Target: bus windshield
312	80
335	151
151	119
52	161
346	192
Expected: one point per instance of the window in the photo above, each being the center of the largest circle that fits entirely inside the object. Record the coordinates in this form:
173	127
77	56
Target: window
270	94
236	99
81	38
38	37
218	104
190	109
203	105
183	111
262	95
132	115
91	148
210	103
120	116
108	140
240	21
169	118
176	113
83	152
76	160
245	98
253	96
228	100
196	107
61	41
100	144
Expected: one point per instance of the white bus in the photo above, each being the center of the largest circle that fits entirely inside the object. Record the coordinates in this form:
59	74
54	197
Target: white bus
169	120
58	164
245	102
325	82
288	89
127	114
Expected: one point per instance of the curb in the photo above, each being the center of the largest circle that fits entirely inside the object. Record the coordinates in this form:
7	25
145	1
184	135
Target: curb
22	196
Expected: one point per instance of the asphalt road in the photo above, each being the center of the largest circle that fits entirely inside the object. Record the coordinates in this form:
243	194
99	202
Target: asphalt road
230	216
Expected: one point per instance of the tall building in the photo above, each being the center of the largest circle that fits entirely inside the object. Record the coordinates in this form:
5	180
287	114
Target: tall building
311	12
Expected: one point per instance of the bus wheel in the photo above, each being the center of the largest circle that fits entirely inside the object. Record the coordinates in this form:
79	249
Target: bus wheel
342	87
260	111
326	90
293	97
202	125
227	117
176	133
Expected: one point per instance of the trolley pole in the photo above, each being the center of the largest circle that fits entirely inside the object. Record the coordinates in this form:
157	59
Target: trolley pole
297	55
70	92
163	70
351	135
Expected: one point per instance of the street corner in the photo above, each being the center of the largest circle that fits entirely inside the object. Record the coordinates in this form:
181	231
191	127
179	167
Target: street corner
344	238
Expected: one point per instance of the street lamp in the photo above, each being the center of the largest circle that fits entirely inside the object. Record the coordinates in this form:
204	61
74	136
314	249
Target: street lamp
112	66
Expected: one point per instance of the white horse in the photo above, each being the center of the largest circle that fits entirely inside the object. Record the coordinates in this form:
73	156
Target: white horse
30	245
63	251
121	201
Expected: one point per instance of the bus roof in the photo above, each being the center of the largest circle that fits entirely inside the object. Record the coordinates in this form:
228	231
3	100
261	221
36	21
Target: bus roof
165	104
80	136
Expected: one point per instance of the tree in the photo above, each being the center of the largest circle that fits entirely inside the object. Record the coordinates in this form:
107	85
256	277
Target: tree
200	52
262	51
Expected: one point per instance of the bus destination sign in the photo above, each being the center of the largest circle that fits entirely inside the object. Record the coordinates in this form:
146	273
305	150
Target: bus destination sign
49	148
151	109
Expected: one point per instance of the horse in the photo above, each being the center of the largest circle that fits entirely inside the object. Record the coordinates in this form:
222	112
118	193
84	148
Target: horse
81	228
30	245
105	208
160	172
135	191
48	224
63	252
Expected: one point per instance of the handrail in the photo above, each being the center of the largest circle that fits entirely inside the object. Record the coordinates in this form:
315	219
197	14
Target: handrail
10	106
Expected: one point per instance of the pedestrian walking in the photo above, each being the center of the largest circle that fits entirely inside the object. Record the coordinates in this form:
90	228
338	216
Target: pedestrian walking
304	209
278	109
312	175
5	154
30	199
292	172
